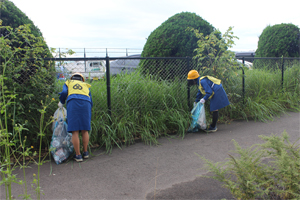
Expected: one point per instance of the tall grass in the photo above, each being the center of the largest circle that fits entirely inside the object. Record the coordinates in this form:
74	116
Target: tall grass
142	107
146	107
265	96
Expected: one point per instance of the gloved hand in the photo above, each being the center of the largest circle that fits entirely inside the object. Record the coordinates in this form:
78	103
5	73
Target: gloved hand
202	101
195	103
60	105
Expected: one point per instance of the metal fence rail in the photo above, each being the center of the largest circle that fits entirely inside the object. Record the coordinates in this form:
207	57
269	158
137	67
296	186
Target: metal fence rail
97	52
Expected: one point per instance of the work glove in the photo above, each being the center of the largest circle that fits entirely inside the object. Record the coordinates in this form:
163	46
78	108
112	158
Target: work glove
195	103
60	105
202	101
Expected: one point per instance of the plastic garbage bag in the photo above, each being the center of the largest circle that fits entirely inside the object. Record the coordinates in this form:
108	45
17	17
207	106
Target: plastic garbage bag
198	118
61	144
59	114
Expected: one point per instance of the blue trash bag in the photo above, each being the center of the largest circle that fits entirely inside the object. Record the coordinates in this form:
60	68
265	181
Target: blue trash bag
198	118
61	144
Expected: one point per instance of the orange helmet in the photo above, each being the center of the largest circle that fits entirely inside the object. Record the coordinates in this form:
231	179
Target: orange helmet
193	74
77	74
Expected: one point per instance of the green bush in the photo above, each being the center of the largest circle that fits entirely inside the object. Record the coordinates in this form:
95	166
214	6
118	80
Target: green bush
263	171
28	76
279	40
30	79
14	17
171	39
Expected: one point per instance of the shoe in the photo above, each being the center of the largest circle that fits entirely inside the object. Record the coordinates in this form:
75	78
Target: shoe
85	154
78	158
211	129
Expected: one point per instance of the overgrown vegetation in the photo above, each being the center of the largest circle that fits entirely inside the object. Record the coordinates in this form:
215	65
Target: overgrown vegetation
146	107
213	56
247	177
27	74
15	137
262	171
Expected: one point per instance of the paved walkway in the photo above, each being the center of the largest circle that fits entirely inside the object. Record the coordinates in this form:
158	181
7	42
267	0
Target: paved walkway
167	171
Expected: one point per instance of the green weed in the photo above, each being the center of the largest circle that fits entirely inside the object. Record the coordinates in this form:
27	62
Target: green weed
263	171
14	146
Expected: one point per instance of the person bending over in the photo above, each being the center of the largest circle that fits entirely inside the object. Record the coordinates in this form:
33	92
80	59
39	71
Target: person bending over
209	88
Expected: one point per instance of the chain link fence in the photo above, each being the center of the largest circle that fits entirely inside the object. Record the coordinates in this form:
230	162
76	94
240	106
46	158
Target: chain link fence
128	73
122	85
132	81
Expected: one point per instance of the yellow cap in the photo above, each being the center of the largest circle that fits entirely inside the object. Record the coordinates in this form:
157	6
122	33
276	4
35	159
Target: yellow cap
193	74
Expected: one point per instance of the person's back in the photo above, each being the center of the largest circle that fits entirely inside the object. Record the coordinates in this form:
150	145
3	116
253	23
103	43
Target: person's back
78	96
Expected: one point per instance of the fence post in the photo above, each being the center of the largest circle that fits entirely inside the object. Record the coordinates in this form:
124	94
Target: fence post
108	87
243	89
59	57
84	60
188	87
282	73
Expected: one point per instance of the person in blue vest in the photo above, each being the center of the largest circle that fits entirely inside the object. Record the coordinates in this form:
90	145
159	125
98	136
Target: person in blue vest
210	88
79	111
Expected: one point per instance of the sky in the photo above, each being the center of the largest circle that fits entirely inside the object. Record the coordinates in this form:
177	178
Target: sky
77	24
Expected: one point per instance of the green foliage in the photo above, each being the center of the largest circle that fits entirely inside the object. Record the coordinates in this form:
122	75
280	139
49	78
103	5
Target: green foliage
279	40
14	148
14	17
171	39
24	86
22	48
268	171
213	55
27	75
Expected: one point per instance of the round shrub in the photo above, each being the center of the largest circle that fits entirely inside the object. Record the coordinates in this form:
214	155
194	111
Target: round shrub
14	17
279	40
172	39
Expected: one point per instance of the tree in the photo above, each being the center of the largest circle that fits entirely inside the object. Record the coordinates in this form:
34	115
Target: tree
14	17
21	62
171	39
213	54
279	40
